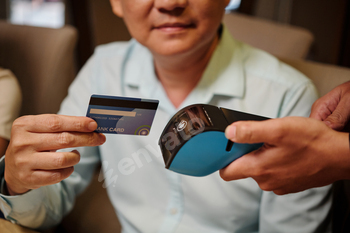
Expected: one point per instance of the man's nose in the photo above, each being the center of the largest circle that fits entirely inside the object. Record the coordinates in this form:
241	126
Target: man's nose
171	5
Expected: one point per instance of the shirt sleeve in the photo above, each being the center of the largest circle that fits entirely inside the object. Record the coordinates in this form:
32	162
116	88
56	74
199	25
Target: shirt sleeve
45	207
307	211
298	100
10	102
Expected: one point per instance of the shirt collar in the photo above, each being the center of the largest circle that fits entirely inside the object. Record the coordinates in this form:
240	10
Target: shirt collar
224	74
139	73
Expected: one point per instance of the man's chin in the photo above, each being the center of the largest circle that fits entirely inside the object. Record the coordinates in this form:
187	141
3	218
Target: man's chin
173	49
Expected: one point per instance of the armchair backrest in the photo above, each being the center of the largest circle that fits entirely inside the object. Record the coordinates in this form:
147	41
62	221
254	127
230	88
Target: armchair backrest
43	61
278	39
324	76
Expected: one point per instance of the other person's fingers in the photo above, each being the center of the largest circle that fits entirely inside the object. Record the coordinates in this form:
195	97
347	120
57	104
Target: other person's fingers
334	107
241	168
259	131
304	153
324	106
341	115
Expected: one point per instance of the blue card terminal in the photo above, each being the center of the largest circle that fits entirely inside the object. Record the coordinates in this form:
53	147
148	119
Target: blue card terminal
122	115
194	143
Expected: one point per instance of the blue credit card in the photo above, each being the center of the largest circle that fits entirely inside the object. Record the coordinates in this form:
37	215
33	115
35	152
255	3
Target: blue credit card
122	115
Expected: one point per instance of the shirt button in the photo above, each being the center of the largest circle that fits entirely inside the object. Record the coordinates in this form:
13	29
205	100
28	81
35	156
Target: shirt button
173	211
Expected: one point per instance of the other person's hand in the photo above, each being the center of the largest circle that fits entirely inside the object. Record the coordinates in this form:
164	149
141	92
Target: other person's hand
31	159
334	107
3	146
298	154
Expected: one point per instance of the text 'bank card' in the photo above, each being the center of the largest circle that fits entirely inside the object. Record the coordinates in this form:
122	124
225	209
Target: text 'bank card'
122	115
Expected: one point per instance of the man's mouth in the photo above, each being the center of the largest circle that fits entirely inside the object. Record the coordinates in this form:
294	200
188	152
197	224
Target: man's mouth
174	27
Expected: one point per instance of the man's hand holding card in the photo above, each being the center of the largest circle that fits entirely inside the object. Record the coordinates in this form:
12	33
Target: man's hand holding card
31	158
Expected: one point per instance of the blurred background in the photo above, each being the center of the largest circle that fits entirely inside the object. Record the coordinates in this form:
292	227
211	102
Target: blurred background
45	62
328	20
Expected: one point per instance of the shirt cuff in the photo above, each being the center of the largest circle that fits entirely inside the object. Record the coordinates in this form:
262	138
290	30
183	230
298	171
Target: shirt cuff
19	204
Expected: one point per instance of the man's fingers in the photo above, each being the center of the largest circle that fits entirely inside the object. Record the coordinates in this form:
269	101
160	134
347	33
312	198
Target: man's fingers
55	123
48	177
55	160
56	141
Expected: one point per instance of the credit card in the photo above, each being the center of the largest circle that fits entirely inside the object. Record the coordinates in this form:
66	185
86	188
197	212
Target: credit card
122	115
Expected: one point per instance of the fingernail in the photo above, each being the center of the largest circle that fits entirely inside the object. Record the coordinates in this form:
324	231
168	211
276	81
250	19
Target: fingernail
102	138
328	123
92	126
230	132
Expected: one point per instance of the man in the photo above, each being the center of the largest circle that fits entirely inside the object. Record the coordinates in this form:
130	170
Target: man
180	55
299	153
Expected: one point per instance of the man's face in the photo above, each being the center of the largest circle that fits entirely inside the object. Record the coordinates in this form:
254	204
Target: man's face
170	27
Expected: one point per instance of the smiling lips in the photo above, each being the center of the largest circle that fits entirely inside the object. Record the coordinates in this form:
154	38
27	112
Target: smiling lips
174	27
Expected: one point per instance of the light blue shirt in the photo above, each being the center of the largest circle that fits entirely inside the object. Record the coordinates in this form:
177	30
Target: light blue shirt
149	198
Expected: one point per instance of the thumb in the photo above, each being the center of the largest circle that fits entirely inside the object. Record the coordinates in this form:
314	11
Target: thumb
253	131
340	116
